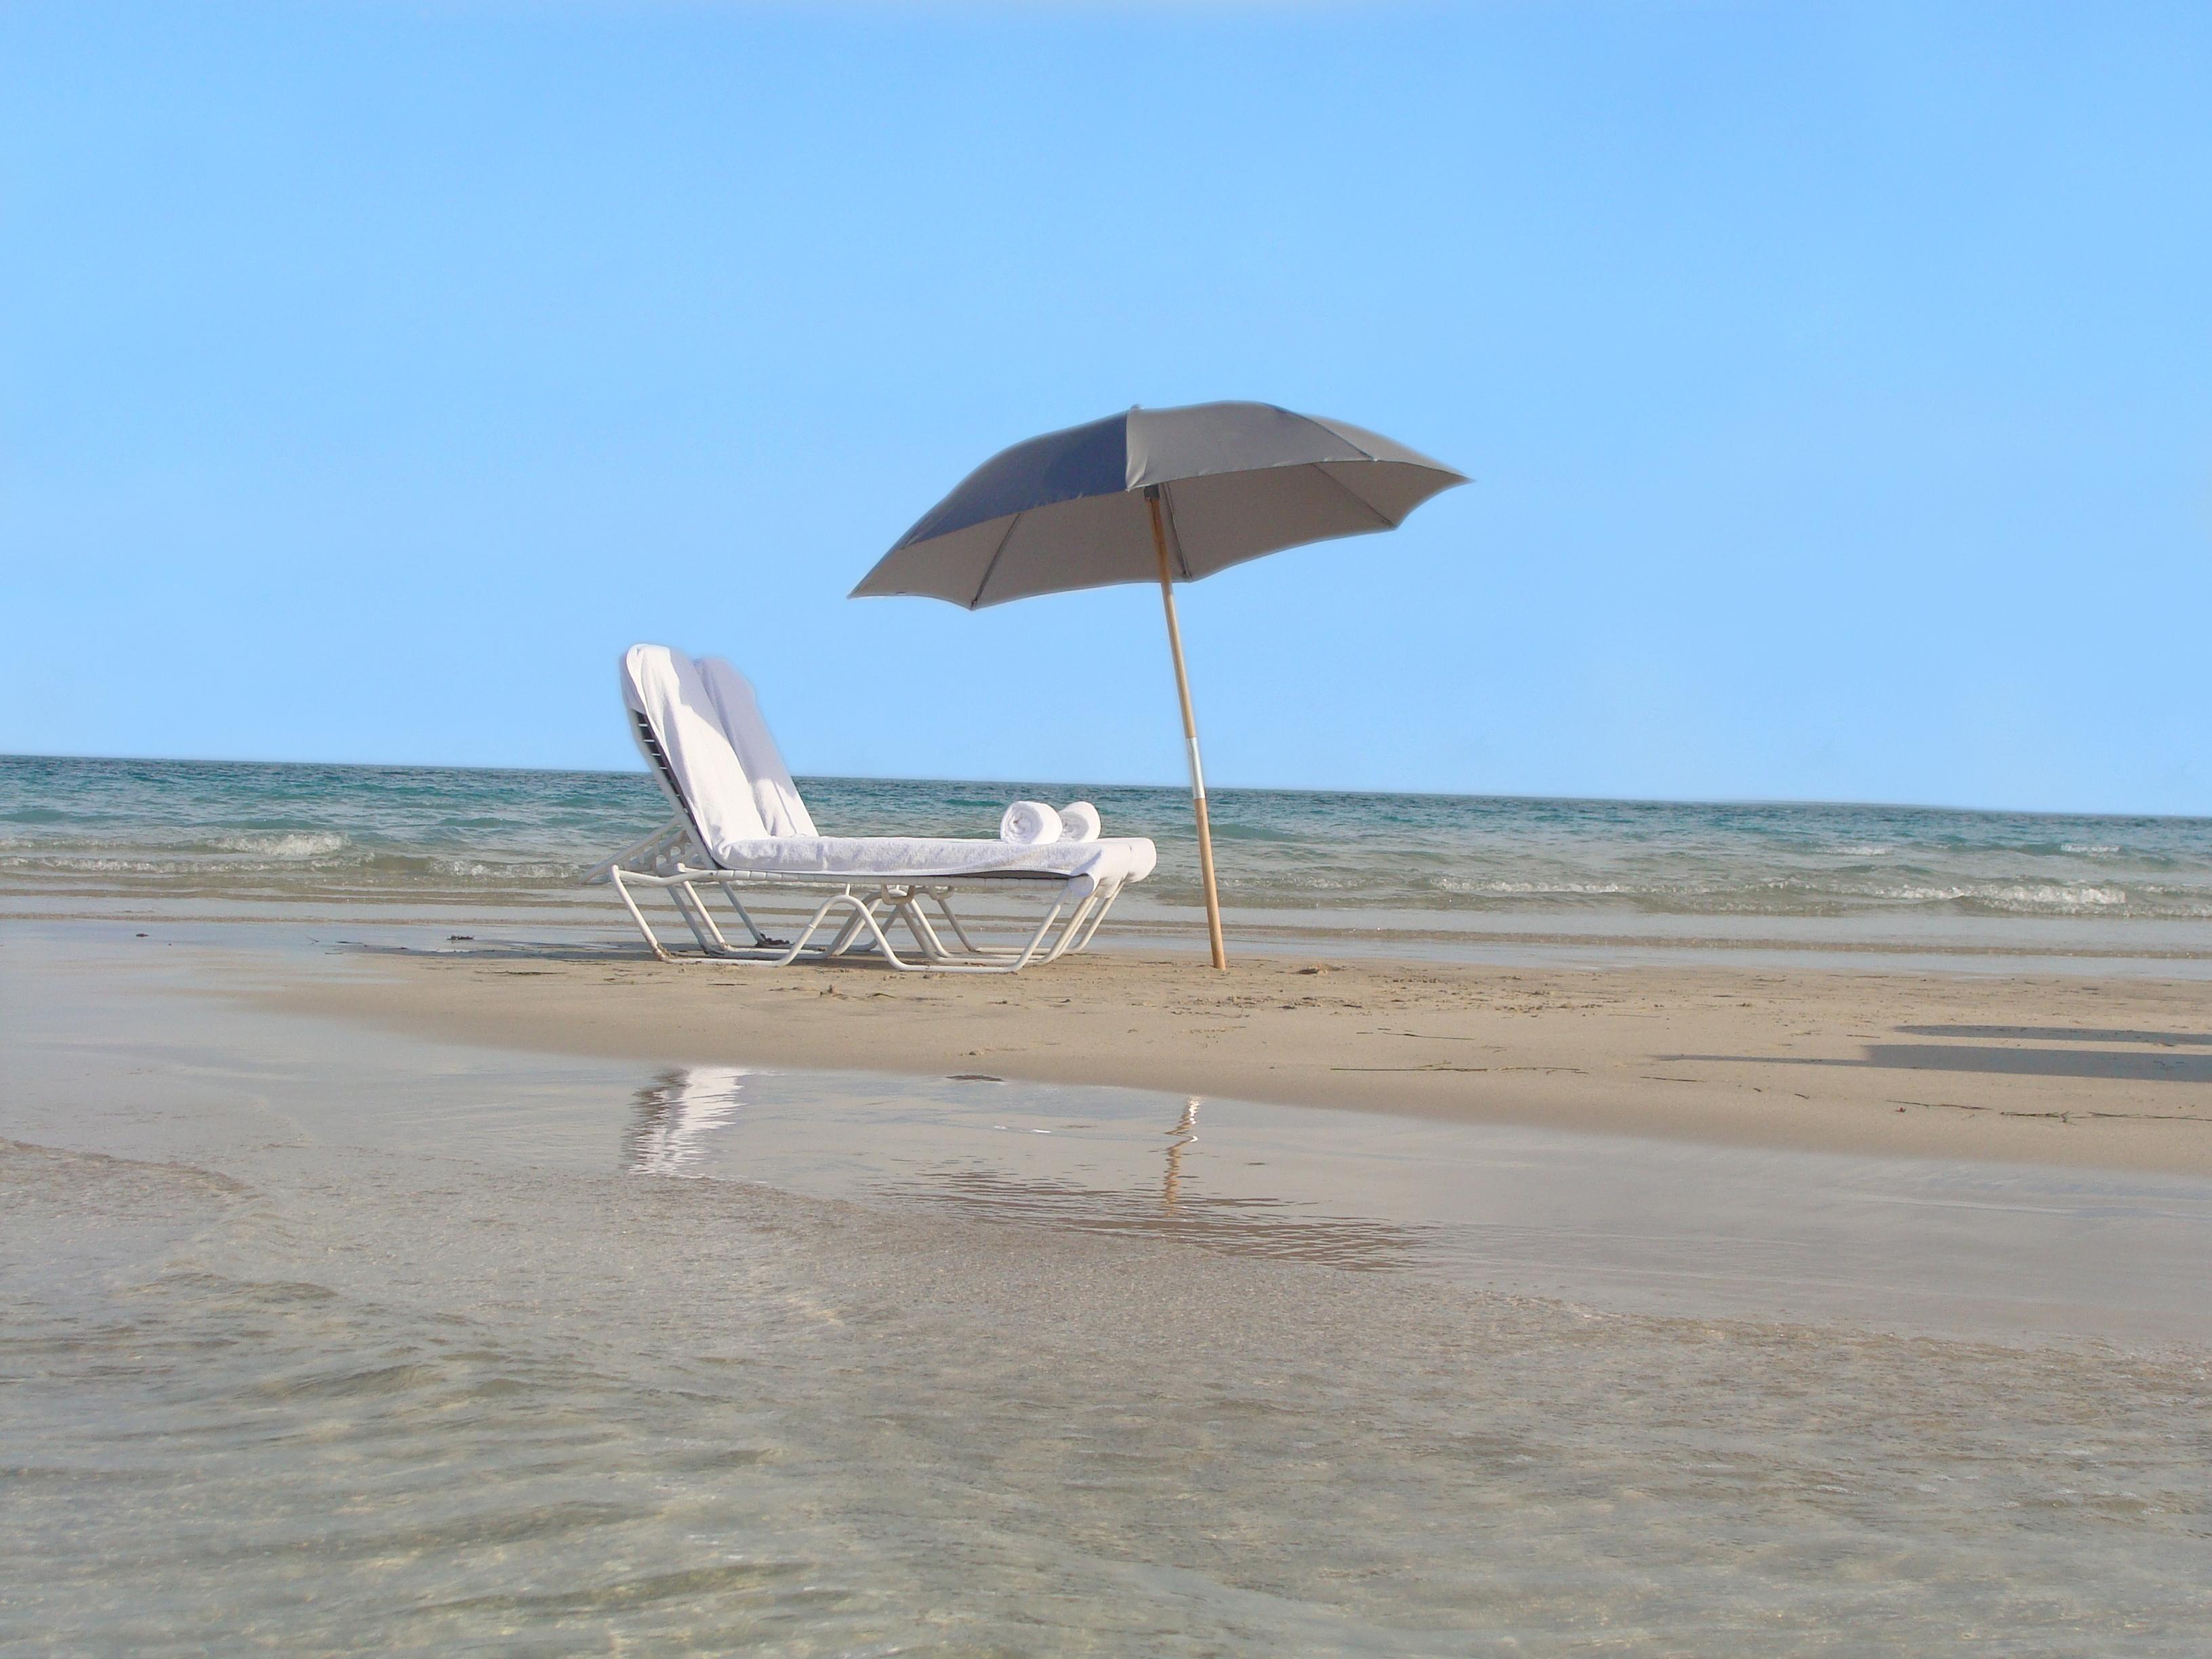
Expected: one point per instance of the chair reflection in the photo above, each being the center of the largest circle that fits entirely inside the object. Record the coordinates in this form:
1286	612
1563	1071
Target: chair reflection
675	1111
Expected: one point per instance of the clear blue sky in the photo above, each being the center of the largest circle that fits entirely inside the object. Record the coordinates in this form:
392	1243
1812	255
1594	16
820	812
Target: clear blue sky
1838	380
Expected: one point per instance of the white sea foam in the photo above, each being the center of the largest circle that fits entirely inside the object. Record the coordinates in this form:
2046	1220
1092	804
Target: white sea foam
2050	896
1563	889
519	870
92	865
296	844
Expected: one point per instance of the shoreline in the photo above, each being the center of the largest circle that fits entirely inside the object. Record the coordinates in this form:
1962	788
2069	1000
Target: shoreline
2102	1071
1667	941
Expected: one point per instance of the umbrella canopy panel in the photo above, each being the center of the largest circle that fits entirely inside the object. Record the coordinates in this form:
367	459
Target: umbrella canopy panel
1235	480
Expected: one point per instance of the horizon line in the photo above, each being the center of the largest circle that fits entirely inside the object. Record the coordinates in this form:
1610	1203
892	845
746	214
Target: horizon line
1178	785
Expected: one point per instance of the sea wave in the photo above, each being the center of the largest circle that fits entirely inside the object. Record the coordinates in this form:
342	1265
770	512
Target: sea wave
146	827
510	870
291	844
2045	896
355	869
1535	888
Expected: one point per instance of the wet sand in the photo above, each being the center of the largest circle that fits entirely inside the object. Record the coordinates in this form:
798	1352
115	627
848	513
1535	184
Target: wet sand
2089	1070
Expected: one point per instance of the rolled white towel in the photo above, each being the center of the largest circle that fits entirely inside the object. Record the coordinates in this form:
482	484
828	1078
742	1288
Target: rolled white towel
1028	824
1079	821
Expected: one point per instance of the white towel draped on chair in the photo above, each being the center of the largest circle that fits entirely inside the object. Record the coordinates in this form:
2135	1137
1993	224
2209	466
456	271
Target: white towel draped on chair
776	797
667	688
685	705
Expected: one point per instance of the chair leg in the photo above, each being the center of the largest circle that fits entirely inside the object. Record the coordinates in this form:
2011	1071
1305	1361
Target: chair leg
1037	938
863	928
652	939
730	892
865	922
1097	917
925	937
944	904
1065	942
695	917
721	947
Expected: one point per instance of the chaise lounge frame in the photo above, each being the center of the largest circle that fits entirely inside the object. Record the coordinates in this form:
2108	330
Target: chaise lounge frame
674	861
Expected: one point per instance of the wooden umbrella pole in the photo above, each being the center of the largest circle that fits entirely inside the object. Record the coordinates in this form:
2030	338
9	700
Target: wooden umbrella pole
1189	734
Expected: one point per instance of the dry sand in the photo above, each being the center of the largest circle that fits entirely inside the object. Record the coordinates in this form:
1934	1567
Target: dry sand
2107	1071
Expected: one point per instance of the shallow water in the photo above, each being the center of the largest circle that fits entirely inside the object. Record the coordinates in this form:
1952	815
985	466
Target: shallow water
1457	867
1665	1227
317	1339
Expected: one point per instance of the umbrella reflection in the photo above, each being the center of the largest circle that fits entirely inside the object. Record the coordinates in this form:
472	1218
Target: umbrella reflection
1262	1226
1185	1130
675	1111
1273	1227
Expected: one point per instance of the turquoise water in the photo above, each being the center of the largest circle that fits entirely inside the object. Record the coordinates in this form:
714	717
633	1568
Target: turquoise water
251	831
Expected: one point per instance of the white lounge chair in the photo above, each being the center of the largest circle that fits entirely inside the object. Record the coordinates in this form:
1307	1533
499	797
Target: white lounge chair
741	829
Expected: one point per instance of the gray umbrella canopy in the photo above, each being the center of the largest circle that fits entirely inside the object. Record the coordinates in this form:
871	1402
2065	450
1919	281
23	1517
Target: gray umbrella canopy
1156	495
1068	510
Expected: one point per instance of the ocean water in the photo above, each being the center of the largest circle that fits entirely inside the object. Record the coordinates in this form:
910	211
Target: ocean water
73	827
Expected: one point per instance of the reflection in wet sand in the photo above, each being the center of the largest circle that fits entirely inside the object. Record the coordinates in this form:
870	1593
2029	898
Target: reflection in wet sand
1184	1133
1894	1244
674	1111
1257	1226
676	1116
1270	1227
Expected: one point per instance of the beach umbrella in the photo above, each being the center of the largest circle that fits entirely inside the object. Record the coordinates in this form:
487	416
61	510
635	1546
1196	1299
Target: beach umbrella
1156	495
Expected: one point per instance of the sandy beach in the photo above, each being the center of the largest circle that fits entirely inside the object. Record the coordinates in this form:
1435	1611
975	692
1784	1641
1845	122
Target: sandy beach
2103	1071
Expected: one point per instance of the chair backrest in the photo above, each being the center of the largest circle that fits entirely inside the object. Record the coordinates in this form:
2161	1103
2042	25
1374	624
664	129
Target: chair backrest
679	728
774	794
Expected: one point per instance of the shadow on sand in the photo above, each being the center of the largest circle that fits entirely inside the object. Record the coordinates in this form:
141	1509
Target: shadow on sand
2106	1064
2062	1034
